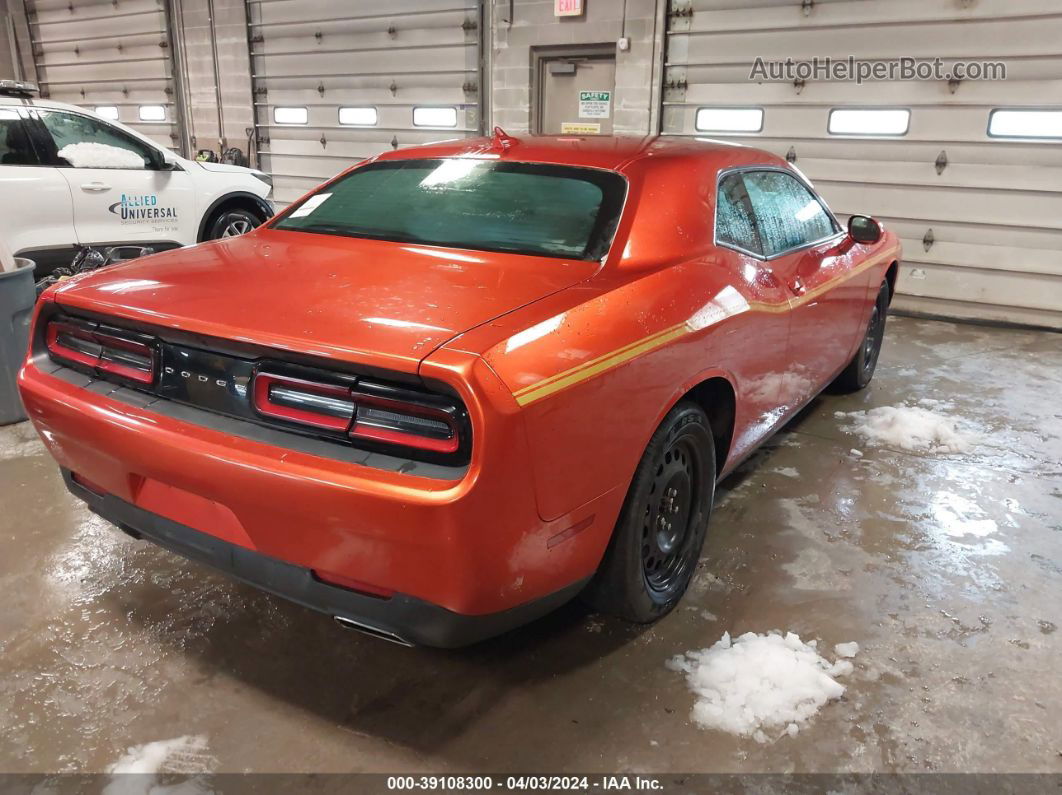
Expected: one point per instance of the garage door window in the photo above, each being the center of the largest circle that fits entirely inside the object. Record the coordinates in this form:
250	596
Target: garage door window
291	115
789	215
735	225
152	113
729	120
1014	123
15	146
434	117
83	142
358	117
869	121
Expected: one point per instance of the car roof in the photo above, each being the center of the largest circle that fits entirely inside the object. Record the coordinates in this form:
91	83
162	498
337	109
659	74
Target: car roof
611	152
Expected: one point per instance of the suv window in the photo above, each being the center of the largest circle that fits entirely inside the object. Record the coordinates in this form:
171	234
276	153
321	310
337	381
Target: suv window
16	149
735	224
789	215
84	142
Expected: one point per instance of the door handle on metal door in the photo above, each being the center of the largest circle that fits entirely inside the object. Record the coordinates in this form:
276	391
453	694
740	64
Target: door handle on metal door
95	187
797	285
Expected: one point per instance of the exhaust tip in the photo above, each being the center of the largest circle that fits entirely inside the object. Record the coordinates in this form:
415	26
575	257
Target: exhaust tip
365	629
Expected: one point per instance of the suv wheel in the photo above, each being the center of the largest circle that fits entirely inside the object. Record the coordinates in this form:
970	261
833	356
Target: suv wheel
232	223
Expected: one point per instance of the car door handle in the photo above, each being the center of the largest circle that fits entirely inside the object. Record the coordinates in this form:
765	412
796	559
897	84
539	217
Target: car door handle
95	187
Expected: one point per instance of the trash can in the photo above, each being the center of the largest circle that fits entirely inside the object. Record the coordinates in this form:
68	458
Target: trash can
17	296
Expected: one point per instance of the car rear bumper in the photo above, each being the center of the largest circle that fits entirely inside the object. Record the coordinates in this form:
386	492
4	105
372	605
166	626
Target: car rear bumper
399	618
460	559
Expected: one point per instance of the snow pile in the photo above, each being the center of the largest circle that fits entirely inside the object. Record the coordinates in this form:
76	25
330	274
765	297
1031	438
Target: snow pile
89	154
138	771
846	649
908	428
760	683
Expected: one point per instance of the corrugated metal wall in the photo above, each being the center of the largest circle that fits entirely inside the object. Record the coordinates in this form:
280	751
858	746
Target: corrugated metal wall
211	40
107	52
319	55
995	208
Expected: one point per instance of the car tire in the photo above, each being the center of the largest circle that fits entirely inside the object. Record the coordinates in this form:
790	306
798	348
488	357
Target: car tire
232	223
860	370
658	538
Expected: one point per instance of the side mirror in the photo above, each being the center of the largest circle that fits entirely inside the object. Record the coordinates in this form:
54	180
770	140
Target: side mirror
864	229
162	160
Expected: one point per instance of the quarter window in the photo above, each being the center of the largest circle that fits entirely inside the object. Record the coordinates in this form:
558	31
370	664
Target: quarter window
84	142
16	149
735	224
789	215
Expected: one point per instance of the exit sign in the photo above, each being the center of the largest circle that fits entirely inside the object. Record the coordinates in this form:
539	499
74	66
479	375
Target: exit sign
567	8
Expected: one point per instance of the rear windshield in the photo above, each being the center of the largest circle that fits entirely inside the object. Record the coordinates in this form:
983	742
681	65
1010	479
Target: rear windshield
526	208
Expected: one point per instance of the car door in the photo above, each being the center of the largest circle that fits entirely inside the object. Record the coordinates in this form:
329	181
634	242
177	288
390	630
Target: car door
807	252
36	211
122	189
760	364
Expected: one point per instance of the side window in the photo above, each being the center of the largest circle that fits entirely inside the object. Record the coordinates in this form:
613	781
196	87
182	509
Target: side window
83	142
16	149
734	222
790	216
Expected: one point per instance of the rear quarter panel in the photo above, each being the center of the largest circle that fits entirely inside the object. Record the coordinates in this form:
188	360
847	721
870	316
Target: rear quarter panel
596	368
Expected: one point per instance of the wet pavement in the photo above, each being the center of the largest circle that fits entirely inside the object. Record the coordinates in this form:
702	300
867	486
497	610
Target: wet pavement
946	569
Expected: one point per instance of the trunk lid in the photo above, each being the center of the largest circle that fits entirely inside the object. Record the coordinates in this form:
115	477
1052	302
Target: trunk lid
366	301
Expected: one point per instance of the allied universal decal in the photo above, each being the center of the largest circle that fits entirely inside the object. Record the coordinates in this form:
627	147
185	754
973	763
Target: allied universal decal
142	208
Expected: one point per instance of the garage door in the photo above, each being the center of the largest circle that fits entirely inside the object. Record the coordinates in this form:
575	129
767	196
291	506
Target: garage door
980	216
114	57
335	83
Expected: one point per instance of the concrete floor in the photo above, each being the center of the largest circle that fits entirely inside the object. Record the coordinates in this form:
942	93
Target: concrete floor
947	569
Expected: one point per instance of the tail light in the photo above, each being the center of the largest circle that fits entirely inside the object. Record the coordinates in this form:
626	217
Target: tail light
371	415
132	357
318	405
392	421
404	421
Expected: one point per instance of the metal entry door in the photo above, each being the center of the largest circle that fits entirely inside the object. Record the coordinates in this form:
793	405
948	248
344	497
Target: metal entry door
576	96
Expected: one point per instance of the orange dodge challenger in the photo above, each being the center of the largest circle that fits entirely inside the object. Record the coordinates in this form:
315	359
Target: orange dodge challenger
461	383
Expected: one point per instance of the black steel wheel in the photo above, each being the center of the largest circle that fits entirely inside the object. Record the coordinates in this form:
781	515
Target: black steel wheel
666	532
861	369
658	539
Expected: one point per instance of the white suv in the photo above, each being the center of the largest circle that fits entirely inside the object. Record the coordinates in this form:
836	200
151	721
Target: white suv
69	178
